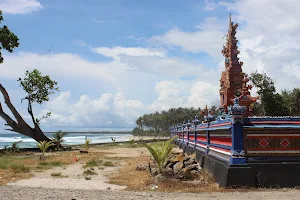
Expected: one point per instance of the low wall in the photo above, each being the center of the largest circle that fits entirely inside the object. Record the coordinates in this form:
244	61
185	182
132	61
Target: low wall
264	151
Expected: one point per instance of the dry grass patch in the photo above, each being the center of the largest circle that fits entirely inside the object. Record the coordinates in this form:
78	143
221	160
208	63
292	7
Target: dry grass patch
128	176
16	166
141	180
10	176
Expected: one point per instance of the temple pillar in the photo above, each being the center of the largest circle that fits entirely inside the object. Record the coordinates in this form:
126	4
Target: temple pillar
237	134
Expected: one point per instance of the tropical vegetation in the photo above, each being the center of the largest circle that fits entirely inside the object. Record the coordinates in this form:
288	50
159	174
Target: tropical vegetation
43	146
160	152
58	138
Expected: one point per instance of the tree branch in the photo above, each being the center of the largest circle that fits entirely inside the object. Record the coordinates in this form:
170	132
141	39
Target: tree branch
11	107
31	113
12	130
20	126
43	117
10	122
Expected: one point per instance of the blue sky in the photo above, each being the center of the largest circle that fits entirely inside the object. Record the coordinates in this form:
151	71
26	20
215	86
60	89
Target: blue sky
115	60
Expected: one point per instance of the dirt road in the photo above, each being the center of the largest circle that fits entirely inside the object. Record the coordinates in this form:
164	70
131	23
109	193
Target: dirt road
30	193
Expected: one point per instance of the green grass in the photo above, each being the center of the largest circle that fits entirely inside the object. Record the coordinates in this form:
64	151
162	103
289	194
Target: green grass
3	165
53	163
108	164
19	168
58	175
11	162
48	165
92	163
87	178
89	172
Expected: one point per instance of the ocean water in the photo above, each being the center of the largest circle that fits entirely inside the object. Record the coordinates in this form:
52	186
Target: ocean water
6	139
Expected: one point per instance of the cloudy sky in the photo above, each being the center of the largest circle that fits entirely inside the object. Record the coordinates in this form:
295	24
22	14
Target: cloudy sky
115	60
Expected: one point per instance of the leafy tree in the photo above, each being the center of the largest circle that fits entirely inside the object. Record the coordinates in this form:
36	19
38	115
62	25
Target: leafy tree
292	101
8	40
272	103
37	87
158	123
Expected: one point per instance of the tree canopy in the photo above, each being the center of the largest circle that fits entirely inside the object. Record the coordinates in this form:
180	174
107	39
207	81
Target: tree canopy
8	40
38	88
158	123
272	103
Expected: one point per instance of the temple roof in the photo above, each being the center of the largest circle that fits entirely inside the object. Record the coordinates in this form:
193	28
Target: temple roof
231	51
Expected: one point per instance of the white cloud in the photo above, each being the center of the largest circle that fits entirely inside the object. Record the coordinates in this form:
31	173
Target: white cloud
269	41
203	93
114	110
108	110
208	39
170	96
64	64
19	6
210	5
117	52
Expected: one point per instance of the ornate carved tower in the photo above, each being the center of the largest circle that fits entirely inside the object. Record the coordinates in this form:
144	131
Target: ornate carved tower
231	82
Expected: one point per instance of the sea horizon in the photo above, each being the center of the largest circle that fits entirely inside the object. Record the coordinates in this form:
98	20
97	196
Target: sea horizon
72	138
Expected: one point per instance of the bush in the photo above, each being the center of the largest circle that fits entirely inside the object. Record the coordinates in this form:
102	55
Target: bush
160	152
92	163
54	163
89	172
19	168
108	164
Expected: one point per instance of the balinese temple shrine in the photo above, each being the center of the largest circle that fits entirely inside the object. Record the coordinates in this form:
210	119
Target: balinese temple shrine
233	81
240	149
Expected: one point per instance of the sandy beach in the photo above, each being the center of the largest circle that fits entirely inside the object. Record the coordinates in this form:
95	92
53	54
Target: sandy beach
42	185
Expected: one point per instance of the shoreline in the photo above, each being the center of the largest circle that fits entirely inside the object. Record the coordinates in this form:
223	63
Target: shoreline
94	132
71	147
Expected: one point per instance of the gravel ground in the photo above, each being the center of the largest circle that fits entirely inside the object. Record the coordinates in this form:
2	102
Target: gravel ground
30	193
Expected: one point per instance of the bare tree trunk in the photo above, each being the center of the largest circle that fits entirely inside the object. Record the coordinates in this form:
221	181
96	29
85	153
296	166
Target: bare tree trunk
20	126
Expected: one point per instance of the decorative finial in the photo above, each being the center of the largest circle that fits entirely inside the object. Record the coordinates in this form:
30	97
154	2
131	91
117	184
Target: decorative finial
229	19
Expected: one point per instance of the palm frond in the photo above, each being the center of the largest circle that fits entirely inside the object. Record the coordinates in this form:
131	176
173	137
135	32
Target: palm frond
160	153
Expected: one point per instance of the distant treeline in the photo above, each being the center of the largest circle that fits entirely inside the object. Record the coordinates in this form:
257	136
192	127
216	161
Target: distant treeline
158	123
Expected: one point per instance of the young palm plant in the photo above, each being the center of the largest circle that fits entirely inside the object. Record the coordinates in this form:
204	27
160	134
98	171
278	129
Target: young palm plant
14	146
58	138
43	146
160	153
87	144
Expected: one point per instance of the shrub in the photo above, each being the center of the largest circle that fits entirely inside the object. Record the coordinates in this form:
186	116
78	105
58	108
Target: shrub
92	163
87	143
14	147
43	146
108	164
58	138
160	152
89	172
